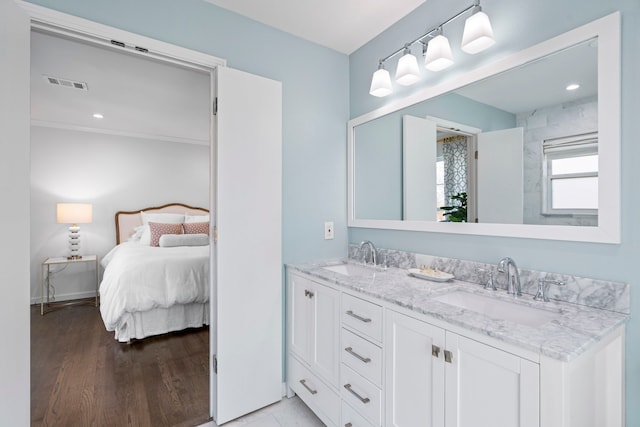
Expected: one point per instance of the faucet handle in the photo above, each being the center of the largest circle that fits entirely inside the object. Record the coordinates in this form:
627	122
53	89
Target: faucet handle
490	283
543	288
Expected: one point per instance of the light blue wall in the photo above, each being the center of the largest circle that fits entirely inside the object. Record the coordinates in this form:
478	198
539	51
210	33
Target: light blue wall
315	102
519	24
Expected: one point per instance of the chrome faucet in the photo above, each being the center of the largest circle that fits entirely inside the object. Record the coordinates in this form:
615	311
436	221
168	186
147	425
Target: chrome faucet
513	277
372	249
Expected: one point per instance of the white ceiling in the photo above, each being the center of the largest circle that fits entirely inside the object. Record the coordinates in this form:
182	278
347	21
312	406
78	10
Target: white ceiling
137	96
342	25
541	83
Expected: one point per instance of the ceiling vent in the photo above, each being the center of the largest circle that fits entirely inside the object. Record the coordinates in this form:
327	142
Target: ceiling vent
71	84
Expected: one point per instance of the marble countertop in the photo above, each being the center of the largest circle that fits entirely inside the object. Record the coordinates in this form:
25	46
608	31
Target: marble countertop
571	331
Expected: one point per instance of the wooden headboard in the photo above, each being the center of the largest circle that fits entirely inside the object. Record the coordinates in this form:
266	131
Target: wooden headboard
127	221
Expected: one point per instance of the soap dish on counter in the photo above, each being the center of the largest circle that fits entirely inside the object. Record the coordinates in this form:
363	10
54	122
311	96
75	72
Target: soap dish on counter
430	274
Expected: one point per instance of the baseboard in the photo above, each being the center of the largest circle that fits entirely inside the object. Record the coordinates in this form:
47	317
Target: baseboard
67	297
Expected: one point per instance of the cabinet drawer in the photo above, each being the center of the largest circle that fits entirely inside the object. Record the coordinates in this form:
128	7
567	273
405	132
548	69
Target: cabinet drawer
351	417
362	356
317	395
362	316
361	394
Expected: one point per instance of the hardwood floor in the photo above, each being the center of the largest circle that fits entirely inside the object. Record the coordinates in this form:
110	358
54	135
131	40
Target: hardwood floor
81	376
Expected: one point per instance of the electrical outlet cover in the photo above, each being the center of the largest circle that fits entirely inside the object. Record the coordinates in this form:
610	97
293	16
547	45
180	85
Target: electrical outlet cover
328	230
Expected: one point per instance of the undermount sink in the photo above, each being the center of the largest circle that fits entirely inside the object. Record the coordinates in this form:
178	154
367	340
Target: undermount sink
351	270
498	308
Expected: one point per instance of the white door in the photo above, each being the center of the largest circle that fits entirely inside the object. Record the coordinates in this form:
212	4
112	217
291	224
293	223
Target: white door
419	172
414	372
248	300
500	176
14	187
489	387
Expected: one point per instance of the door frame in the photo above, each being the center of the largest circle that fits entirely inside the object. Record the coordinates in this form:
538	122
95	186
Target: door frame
89	31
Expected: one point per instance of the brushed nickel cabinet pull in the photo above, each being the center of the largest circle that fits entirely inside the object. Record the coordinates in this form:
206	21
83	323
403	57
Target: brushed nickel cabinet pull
356	355
435	351
304	384
448	356
360	318
348	425
360	398
308	293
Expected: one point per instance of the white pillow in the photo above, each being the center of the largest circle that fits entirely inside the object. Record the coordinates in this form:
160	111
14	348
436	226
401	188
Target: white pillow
171	240
165	218
196	218
137	233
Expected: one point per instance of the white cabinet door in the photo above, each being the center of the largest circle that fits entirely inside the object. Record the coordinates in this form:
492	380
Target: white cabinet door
299	316
247	262
489	387
414	375
325	354
313	323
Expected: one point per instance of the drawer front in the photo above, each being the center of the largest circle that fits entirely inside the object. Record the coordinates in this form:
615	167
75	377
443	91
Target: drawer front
362	356
322	400
361	395
363	316
351	418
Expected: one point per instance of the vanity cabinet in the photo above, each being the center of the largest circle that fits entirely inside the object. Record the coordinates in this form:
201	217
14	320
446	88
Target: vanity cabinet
360	361
313	338
439	378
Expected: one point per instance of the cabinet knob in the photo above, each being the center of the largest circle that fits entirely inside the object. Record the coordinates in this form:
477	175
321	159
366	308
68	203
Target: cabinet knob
448	356
435	351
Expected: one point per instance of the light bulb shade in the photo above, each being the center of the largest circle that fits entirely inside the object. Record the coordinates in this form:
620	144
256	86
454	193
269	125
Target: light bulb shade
438	56
74	213
478	34
407	72
380	83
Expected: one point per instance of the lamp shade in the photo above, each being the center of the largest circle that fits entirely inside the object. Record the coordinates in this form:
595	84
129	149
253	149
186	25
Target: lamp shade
74	213
478	34
407	72
438	56
380	83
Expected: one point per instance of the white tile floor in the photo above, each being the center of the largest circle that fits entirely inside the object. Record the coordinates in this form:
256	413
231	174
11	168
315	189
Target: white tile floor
286	413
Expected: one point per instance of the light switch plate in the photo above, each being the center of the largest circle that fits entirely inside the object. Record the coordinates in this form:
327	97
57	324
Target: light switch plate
328	230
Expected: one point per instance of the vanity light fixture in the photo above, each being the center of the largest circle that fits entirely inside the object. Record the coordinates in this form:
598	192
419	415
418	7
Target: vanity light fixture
407	72
98	116
477	36
438	54
381	82
572	86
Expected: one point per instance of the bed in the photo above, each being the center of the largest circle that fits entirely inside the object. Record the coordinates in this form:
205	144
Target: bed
156	278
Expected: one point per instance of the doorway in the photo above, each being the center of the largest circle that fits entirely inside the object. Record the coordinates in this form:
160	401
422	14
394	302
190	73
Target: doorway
132	145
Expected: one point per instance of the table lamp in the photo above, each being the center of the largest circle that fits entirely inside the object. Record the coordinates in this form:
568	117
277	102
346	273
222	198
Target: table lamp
74	214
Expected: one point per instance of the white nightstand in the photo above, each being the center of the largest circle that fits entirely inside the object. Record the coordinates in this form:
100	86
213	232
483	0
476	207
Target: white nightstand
46	270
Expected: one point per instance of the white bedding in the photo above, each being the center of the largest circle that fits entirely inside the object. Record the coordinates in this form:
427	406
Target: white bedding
140	278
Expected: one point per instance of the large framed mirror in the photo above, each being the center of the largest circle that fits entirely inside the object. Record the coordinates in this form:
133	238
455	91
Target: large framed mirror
511	149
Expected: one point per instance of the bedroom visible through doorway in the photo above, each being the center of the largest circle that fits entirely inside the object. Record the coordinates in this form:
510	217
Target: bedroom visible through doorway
150	147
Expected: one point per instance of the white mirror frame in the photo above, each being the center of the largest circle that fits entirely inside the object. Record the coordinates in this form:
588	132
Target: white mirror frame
607	29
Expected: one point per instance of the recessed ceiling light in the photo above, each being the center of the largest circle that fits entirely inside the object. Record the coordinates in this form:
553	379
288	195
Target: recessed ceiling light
572	86
98	116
